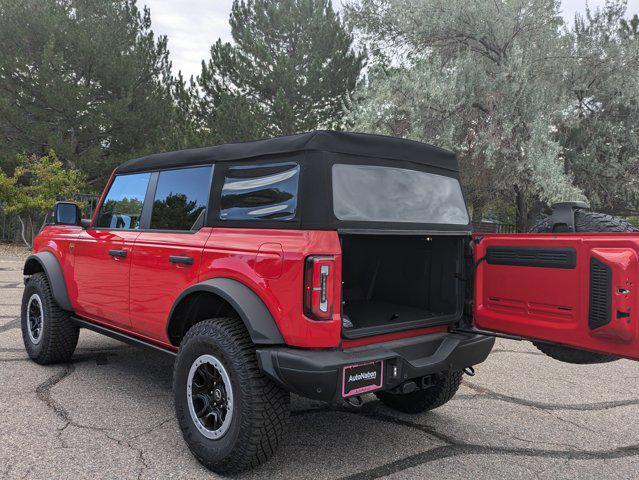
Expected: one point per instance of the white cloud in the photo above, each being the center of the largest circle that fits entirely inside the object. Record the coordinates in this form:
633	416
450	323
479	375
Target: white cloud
194	25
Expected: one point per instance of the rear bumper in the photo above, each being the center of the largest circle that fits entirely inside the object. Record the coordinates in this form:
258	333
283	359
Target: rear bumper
317	374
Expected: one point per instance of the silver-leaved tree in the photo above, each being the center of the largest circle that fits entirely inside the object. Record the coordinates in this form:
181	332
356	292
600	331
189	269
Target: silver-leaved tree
494	80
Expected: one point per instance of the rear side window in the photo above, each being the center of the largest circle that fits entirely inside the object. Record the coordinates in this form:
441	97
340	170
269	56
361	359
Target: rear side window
260	192
180	199
122	206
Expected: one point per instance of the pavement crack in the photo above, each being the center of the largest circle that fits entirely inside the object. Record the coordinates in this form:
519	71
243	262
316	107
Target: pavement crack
487	393
456	447
10	325
43	392
447	451
151	429
3	360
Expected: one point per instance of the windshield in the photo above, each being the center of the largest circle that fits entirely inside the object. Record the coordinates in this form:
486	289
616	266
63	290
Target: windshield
370	193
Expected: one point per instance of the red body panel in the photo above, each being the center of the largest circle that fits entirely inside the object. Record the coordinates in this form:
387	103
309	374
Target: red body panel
241	254
102	280
156	282
61	241
552	304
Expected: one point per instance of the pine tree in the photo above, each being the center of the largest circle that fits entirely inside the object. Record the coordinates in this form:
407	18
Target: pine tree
86	78
291	67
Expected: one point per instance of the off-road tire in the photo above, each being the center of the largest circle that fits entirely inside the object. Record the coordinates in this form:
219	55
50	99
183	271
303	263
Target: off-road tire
261	409
584	222
592	222
59	336
423	400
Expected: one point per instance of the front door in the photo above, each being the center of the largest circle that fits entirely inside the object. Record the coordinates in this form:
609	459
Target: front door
167	255
578	290
103	252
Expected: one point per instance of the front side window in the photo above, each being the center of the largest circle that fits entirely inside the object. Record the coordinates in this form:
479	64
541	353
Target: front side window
260	192
180	199
122	207
369	193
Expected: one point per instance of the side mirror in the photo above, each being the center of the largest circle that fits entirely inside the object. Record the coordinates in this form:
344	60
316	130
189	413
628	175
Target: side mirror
66	213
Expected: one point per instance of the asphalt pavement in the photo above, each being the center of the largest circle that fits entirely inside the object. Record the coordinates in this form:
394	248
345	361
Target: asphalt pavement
109	415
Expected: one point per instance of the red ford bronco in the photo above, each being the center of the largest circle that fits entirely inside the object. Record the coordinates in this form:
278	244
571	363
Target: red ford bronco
325	264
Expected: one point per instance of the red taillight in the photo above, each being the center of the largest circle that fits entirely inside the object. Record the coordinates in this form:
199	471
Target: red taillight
318	287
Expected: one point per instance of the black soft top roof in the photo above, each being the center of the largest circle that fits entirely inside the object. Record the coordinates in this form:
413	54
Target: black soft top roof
361	144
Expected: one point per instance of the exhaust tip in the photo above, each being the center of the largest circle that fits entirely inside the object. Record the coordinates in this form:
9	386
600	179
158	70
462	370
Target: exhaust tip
355	401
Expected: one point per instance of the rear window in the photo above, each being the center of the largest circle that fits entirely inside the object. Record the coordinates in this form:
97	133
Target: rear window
260	192
368	193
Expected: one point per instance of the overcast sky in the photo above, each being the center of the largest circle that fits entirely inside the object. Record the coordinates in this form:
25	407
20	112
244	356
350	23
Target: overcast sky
193	25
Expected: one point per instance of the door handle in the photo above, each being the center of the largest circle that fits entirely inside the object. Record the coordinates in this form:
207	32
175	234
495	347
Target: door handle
117	253
175	259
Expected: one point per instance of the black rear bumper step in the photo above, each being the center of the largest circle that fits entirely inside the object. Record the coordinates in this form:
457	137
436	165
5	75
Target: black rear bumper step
486	333
317	374
123	337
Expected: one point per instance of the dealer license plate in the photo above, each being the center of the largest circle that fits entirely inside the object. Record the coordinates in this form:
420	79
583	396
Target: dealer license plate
362	378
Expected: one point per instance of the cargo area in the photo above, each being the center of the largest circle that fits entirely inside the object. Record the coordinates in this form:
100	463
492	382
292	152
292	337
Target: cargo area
397	282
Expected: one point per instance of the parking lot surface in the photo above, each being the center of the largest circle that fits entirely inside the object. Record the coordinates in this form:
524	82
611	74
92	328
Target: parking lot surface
109	414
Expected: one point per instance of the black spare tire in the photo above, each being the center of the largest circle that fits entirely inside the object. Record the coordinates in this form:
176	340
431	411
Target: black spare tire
584	222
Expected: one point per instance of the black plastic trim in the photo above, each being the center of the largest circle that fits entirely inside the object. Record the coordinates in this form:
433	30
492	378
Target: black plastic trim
256	316
544	257
53	270
563	216
316	374
600	294
147	206
181	260
131	340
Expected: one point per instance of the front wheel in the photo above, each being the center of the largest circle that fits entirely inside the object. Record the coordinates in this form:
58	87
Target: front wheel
232	417
442	390
47	332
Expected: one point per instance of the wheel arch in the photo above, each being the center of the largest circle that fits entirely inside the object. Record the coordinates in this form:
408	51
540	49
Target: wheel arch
48	263
219	296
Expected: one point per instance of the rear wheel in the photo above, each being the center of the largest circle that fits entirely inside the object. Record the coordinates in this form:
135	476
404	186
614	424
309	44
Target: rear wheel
420	401
584	222
231	416
47	332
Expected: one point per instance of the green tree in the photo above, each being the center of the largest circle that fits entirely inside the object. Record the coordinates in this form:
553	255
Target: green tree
482	78
600	131
36	184
86	78
629	28
175	211
291	68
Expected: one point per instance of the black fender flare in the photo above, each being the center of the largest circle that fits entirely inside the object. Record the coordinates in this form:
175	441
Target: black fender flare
254	313
48	262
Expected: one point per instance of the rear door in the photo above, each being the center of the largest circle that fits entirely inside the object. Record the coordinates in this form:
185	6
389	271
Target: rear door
578	290
167	253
